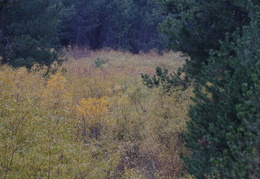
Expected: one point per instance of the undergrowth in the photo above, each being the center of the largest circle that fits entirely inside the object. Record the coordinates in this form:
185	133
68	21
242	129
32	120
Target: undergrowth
91	121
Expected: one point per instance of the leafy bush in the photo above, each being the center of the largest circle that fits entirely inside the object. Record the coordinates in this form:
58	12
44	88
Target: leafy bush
88	122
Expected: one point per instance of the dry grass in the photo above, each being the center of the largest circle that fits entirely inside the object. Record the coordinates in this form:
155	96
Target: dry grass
146	122
100	106
131	64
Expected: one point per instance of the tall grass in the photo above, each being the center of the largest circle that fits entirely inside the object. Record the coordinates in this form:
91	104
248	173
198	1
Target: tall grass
92	121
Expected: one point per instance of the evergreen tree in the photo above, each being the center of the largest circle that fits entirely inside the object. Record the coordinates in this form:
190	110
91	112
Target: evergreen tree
130	25
28	30
194	27
223	133
65	33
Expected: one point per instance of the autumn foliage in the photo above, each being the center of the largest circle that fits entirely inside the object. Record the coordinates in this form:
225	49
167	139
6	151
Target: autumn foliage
90	121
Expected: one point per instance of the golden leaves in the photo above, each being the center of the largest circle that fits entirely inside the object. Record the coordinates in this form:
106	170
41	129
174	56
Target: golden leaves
55	94
89	122
93	108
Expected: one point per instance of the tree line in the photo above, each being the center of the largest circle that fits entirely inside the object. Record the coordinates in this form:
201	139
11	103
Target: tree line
29	29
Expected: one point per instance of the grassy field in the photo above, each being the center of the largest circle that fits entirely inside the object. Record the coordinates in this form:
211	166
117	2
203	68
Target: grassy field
91	118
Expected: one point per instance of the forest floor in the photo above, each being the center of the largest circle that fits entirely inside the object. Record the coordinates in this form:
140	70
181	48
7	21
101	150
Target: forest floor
92	118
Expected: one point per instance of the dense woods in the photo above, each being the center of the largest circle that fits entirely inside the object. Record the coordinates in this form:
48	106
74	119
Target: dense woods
130	25
129	89
30	28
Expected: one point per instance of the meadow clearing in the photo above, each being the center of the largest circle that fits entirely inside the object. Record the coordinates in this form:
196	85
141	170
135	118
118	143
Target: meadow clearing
92	117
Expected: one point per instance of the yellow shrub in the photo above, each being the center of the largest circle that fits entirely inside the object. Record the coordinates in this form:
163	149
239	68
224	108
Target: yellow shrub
55	96
91	122
93	109
92	114
37	143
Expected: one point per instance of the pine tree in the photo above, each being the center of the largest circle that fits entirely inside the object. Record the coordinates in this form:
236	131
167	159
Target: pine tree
194	27
223	133
28	30
130	25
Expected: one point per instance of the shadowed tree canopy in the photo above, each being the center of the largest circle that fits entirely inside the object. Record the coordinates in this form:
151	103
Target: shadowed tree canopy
27	31
194	27
30	30
130	25
221	37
